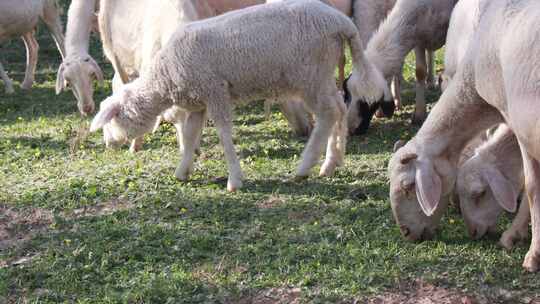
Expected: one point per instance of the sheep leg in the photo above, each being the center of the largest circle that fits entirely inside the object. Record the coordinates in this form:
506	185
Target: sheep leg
324	121
267	109
297	117
431	83
337	142
136	144
189	131
420	108
222	117
7	82
519	230
32	48
396	91
51	18
531	169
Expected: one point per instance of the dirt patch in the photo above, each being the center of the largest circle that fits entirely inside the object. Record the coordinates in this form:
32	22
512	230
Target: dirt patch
18	226
284	295
419	292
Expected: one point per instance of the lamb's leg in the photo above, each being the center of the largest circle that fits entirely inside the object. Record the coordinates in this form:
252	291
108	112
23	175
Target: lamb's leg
337	142
325	120
396	91
190	132
420	108
222	117
431	69
32	48
532	187
519	230
267	109
7	81
136	144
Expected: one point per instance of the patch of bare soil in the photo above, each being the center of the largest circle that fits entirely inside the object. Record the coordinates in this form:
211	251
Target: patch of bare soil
274	296
18	226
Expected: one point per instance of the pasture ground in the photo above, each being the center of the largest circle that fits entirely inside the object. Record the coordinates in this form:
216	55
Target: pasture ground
82	224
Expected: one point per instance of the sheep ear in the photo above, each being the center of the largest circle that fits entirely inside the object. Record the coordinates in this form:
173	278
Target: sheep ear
104	116
428	187
502	189
60	80
98	73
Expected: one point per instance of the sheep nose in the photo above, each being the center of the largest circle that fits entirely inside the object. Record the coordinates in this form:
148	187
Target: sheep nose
407	186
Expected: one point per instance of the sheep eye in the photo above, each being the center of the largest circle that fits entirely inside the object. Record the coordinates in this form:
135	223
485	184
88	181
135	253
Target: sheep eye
87	60
478	195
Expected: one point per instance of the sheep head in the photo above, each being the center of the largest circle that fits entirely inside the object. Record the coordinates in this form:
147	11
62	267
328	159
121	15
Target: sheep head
364	93
417	186
484	192
79	73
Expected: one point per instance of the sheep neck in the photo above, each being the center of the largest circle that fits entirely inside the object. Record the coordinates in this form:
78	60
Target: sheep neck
394	39
458	117
79	22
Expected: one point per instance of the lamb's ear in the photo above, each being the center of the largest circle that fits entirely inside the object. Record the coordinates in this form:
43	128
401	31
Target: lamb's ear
105	115
60	80
428	187
502	189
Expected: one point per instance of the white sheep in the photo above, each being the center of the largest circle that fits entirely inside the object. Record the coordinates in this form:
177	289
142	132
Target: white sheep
19	18
211	65
485	181
420	25
78	70
497	81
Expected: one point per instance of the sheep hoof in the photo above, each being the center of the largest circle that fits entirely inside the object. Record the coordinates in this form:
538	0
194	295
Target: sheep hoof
10	90
327	169
300	178
232	186
532	261
507	241
26	86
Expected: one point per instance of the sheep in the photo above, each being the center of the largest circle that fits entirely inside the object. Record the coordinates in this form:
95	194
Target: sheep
485	181
495	81
463	23
78	70
211	65
151	31
420	25
19	18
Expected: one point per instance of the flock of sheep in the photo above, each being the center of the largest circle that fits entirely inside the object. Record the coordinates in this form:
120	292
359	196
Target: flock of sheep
478	146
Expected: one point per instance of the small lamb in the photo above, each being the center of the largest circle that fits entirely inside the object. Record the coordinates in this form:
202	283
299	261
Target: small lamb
214	64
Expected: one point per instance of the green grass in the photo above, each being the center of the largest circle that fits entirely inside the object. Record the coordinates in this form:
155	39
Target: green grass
172	242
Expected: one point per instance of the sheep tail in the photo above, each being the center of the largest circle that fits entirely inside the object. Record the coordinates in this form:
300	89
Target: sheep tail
366	80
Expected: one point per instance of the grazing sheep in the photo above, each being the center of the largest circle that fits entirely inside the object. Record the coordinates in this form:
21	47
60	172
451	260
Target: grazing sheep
496	80
19	18
494	174
79	69
420	25
211	65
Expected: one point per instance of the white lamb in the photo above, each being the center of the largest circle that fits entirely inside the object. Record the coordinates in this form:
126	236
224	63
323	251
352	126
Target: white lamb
497	81
211	65
79	69
19	18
